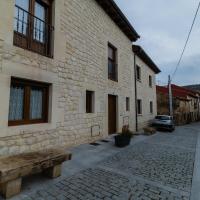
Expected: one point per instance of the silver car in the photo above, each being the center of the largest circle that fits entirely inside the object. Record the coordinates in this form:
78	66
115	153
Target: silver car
164	122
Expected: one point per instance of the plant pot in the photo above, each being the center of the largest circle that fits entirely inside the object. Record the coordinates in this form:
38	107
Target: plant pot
122	141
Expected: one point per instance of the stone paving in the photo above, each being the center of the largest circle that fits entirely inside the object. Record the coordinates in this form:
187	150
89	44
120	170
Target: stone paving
157	168
170	166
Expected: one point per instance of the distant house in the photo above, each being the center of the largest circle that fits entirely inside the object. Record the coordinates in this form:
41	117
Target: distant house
145	71
186	103
193	87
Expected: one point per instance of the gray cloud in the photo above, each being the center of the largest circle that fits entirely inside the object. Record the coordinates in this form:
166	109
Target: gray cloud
163	26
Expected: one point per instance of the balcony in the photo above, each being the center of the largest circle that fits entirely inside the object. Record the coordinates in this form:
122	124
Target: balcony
32	33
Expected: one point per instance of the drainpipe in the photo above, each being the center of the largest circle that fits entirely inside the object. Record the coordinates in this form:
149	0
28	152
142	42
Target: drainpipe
135	77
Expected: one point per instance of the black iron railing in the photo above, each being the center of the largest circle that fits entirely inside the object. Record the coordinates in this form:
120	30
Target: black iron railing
32	33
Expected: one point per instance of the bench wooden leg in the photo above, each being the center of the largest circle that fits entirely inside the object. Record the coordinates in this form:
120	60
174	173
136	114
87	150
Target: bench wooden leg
11	188
54	172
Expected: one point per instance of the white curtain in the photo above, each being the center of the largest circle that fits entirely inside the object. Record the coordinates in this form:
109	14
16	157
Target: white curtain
36	104
16	103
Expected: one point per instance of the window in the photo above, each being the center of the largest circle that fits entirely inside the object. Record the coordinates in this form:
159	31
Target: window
195	104
151	107
150	81
139	107
127	104
32	29
138	73
28	102
112	63
89	102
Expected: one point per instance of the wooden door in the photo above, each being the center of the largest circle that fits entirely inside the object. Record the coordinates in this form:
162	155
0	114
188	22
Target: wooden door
112	114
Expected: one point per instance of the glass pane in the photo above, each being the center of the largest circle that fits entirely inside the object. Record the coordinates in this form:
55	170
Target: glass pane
16	105
110	67
138	73
21	16
36	101
39	23
22	4
139	107
111	53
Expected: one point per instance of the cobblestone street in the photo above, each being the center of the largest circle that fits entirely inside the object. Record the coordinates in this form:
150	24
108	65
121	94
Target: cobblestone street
159	167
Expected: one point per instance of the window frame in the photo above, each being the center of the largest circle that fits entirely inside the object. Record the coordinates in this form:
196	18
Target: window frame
127	104
28	84
139	108
150	81
113	76
151	107
27	41
138	73
89	101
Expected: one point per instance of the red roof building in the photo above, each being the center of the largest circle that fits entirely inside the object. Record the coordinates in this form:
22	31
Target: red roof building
177	91
186	103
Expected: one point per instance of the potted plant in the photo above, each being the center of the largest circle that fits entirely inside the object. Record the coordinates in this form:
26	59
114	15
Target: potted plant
123	139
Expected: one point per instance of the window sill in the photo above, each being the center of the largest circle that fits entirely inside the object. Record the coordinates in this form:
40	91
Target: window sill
14	124
114	80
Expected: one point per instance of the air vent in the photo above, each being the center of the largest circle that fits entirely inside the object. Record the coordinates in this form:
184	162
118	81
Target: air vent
95	144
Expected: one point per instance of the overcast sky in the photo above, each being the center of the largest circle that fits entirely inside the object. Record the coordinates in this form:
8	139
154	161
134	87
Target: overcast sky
163	26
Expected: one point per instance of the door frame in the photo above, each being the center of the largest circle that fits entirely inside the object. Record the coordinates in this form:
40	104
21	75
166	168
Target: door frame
116	98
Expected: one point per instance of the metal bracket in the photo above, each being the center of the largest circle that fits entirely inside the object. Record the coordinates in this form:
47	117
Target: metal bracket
97	125
124	118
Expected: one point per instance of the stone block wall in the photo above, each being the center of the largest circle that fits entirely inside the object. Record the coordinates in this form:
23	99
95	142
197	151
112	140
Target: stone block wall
146	94
82	32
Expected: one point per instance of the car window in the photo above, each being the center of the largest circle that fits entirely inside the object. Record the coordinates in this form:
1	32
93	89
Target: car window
163	117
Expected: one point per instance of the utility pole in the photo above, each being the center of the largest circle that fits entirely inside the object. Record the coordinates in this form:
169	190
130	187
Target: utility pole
170	97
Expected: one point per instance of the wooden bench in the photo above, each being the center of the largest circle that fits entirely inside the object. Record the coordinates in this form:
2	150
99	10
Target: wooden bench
14	168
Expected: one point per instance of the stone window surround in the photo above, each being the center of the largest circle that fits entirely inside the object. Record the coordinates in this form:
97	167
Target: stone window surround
21	71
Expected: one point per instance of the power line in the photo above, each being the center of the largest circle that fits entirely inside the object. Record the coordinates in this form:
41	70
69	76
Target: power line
188	37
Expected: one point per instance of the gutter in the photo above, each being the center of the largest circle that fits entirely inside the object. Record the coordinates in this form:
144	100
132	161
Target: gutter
136	115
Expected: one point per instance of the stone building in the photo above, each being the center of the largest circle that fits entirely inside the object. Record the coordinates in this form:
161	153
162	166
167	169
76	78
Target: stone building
186	103
66	73
146	101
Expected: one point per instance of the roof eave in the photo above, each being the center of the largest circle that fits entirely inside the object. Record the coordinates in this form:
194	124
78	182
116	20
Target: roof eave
111	8
139	51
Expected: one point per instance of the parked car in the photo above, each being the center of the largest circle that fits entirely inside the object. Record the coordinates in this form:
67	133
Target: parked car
164	122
